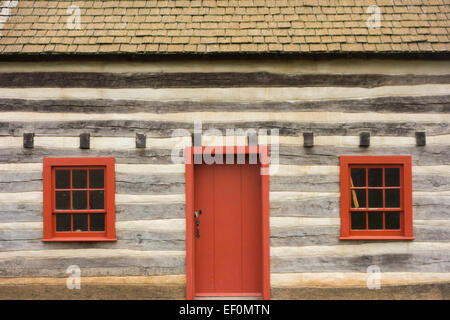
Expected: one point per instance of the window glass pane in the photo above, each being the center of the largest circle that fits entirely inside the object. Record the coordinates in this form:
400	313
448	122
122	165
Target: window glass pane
392	220
62	199
392	178
97	222
358	220
80	222
79	200
63	222
62	179
79	179
96	179
358	177
376	198
393	198
96	200
358	197
375	220
375	177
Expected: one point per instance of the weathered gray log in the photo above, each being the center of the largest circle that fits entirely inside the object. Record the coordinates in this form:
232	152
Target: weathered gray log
428	155
149	211
151	156
32	212
150	183
329	235
102	291
330	183
433	261
411	104
424	208
17	240
127	128
321	207
209	80
93	267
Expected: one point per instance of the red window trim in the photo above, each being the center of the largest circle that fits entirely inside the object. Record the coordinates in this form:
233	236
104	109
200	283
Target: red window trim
49	228
263	153
406	219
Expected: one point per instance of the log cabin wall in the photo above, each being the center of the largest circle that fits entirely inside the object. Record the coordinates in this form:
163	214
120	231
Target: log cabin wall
335	99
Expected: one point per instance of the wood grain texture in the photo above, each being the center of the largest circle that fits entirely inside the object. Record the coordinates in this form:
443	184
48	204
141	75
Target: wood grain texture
354	279
329	235
143	240
440	291
32	212
330	183
93	292
127	128
434	261
411	104
209	80
241	94
95	267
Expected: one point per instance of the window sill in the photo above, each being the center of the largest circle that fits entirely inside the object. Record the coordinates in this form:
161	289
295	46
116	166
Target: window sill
376	238
73	239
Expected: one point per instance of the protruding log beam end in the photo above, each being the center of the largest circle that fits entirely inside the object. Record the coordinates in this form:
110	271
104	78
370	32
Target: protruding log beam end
252	139
141	140
85	141
421	138
28	140
308	139
364	139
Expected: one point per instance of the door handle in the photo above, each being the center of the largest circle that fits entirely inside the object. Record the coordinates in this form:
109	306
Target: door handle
197	222
197	213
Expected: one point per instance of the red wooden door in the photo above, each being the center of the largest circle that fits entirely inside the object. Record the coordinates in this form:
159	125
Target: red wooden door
228	253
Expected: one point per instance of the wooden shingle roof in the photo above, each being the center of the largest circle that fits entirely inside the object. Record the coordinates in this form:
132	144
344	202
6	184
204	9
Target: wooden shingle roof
223	26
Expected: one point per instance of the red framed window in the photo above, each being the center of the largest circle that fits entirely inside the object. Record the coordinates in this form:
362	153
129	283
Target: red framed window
376	197
79	202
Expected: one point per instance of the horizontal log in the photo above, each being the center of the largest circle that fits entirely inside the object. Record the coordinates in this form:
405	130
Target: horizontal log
423	156
128	128
126	212
372	248
148	280
32	212
133	156
93	291
93	267
242	94
108	143
432	261
330	183
144	240
238	117
435	291
209	80
150	184
353	279
329	235
411	104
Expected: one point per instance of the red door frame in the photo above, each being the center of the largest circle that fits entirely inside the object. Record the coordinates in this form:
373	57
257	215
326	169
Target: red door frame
263	153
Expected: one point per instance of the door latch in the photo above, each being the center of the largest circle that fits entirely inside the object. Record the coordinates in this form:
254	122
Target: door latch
197	222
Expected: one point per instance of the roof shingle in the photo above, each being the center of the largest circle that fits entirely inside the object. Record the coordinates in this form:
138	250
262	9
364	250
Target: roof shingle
221	26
